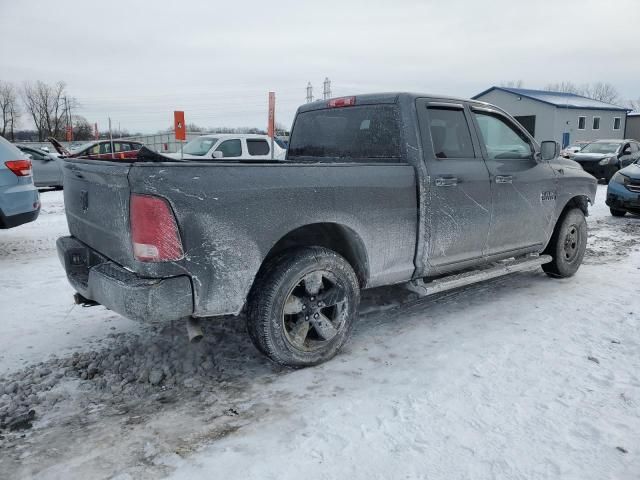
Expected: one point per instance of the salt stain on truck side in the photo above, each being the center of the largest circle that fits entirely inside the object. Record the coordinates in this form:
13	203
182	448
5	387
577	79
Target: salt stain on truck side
375	190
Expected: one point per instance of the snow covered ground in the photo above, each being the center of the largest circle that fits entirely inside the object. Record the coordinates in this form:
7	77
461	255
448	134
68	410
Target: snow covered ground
523	377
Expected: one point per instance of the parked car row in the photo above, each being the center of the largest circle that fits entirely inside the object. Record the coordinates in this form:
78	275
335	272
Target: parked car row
616	161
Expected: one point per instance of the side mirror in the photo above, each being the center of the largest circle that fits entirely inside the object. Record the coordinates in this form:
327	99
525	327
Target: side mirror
549	150
217	154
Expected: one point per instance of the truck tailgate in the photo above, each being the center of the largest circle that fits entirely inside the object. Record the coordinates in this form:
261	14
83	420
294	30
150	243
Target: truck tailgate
96	197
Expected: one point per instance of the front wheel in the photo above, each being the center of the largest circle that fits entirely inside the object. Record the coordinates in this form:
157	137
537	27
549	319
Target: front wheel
302	306
567	245
617	213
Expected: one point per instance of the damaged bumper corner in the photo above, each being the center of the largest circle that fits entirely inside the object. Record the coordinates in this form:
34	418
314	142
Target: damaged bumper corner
144	299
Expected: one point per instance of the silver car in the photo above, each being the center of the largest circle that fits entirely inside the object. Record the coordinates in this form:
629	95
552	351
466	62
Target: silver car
47	167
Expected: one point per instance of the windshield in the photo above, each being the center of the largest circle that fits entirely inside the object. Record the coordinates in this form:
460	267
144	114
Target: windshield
199	146
600	148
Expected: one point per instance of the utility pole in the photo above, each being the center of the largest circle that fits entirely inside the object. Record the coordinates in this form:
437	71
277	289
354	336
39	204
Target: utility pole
309	93
326	89
68	111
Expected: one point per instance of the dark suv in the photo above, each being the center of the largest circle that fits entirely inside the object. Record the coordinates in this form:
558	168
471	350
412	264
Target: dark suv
603	158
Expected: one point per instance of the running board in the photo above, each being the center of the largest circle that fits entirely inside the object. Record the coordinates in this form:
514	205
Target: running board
494	270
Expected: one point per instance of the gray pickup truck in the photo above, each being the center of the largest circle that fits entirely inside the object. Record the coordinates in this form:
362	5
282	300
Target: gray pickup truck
380	189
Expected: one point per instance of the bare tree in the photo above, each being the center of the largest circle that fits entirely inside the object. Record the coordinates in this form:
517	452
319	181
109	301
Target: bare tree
9	109
82	129
565	87
512	84
634	105
604	92
48	107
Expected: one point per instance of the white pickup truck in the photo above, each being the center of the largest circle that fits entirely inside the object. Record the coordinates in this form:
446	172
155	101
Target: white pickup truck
230	145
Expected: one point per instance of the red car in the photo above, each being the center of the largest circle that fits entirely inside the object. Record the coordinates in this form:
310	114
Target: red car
102	149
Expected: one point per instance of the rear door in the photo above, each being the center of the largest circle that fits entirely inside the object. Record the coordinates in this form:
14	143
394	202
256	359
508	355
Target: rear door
460	196
523	189
231	148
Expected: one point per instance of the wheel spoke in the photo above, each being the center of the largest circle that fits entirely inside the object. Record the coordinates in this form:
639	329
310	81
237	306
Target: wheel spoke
293	305
332	296
324	327
313	282
300	331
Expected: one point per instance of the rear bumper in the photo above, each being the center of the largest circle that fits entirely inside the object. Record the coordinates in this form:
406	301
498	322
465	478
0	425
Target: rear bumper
18	219
107	283
19	204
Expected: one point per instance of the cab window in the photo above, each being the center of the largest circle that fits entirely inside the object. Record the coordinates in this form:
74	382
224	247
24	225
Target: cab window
501	139
450	134
257	147
105	148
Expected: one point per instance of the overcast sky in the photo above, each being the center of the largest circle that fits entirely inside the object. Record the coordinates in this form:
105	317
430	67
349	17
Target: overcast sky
139	61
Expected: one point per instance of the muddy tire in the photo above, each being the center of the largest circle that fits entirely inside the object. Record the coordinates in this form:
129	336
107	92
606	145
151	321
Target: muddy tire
567	245
617	213
301	309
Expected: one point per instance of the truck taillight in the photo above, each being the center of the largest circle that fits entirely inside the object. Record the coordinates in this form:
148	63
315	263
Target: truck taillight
341	102
22	168
154	232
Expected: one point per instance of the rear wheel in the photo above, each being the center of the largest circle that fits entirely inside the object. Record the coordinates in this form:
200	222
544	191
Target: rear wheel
567	245
617	213
302	307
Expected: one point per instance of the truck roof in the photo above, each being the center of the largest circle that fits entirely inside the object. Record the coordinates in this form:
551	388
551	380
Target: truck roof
233	135
386	97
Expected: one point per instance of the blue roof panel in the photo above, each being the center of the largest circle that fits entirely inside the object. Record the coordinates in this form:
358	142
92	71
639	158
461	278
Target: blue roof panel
558	99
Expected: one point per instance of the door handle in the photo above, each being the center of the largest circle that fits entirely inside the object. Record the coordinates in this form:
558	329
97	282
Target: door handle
504	179
446	181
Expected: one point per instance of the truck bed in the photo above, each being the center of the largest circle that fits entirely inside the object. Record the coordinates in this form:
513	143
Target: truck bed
232	214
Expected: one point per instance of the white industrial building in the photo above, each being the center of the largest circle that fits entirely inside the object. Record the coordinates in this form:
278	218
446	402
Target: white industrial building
559	116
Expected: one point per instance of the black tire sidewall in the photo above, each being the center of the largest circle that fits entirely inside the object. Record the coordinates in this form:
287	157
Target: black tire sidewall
560	267
265	323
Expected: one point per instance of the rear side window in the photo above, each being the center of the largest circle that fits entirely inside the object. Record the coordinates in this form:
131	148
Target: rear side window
8	151
230	148
349	133
258	147
450	133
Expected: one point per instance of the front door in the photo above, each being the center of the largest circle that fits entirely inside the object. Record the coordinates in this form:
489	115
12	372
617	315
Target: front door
459	202
45	169
523	188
